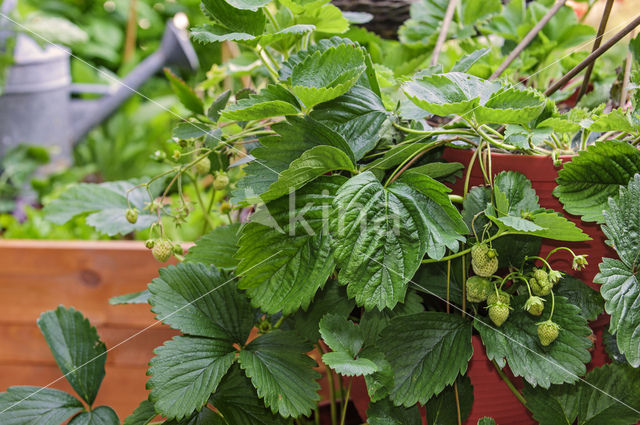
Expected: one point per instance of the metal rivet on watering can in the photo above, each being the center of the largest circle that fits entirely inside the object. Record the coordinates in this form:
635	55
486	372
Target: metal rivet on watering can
36	106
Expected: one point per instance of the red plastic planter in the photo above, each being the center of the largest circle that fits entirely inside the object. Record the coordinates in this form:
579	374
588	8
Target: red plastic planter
491	396
542	173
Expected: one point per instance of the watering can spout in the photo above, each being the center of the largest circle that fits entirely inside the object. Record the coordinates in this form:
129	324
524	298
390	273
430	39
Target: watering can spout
175	50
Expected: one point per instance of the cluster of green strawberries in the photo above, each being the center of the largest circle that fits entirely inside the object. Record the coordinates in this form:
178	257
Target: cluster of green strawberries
162	248
539	282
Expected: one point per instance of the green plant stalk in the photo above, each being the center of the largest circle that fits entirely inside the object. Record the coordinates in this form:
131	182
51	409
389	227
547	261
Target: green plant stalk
534	257
271	18
455	390
209	207
434	132
264	57
332	392
346	403
466	251
412	159
199	198
510	385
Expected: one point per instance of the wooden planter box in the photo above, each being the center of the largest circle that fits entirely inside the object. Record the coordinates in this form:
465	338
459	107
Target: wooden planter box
36	276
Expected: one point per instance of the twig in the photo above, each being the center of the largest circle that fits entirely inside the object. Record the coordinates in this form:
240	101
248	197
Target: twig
130	32
527	39
442	37
593	56
625	79
596	44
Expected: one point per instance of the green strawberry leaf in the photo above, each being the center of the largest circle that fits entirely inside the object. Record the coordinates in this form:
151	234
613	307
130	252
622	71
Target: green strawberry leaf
289	34
557	405
467	61
511	105
106	204
358	115
141	297
518	194
272	101
77	349
442	409
214	33
321	46
608	395
450	93
414	344
185	94
373	322
516	342
252	5
341	334
383	412
611	395
327	19
477	10
591	178
377	260
184	373
32	405
191	130
234	19
217	248
282	373
237	400
218	105
542	223
615	120
202	301
580	294
102	415
331	299
620	286
284	255
346	340
485	420
323	76
295	136
313	163
610	343
143	414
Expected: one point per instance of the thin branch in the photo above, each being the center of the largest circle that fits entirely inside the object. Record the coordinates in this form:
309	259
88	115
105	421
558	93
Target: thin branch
593	56
442	37
527	39
596	44
627	76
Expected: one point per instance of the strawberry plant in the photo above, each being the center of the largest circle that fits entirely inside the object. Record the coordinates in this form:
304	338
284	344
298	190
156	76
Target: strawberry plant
345	243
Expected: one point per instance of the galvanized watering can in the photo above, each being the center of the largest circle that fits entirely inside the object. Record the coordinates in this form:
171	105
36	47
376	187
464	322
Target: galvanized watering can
37	106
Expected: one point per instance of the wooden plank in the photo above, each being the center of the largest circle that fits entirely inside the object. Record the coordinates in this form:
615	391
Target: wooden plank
24	344
36	276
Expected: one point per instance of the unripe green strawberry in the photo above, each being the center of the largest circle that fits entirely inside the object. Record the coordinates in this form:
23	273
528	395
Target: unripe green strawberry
132	215
162	250
221	181
500	297
539	289
534	305
225	207
541	276
579	262
177	249
554	276
478	288
548	331
484	260
203	166
498	313
149	243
